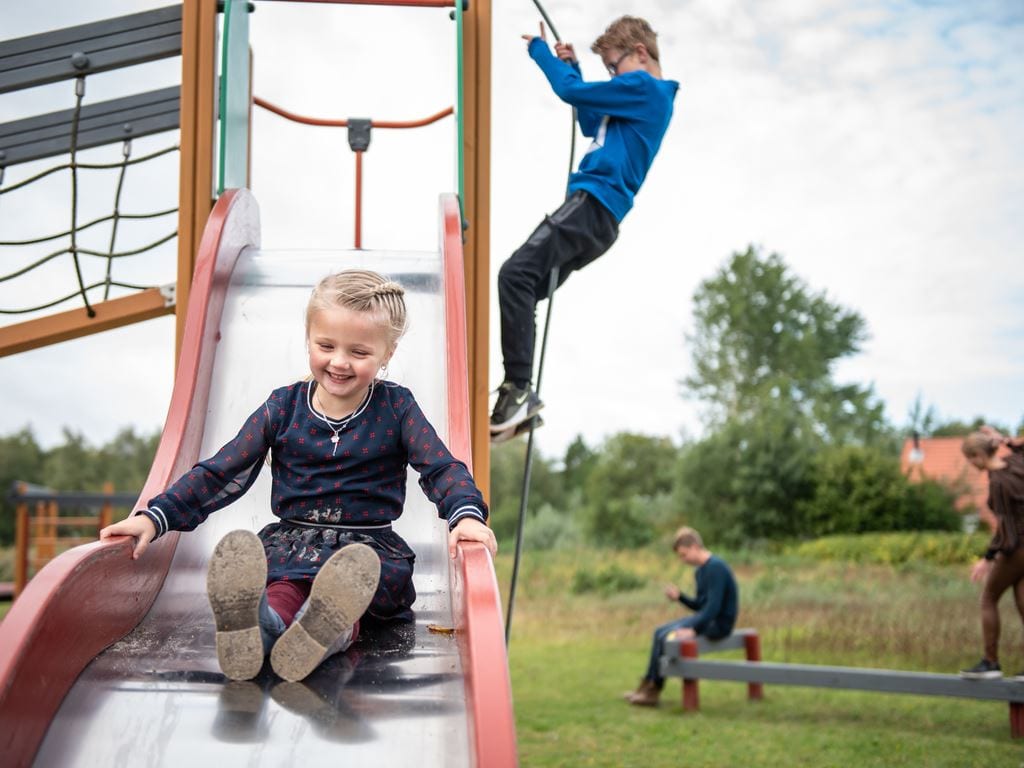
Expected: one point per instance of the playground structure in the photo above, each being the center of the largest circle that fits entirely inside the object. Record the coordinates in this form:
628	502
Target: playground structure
680	659
99	648
37	538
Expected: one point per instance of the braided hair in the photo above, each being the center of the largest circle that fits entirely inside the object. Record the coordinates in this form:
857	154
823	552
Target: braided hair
362	290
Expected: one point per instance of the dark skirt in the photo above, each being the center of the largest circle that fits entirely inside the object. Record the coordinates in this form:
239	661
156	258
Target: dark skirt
296	553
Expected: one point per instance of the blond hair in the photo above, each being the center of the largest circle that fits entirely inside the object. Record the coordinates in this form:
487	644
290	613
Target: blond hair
980	444
362	291
687	537
625	33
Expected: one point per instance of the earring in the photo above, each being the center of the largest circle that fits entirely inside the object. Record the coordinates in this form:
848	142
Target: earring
383	371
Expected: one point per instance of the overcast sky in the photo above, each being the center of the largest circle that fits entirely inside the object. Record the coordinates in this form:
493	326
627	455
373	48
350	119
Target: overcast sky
874	145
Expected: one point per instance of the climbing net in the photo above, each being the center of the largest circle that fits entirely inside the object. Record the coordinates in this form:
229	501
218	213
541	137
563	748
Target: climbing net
42	271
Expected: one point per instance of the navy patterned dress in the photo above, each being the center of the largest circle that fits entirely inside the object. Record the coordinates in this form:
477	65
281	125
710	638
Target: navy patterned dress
326	492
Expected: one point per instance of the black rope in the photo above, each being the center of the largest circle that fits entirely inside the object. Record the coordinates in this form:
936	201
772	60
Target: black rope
79	93
547	20
88	252
126	151
84	227
133	252
524	496
88	166
73	294
72	233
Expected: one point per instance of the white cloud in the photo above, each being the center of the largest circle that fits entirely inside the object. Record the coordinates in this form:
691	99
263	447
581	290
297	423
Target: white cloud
873	145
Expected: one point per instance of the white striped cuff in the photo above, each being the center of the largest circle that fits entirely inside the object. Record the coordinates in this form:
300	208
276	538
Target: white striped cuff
159	520
467	511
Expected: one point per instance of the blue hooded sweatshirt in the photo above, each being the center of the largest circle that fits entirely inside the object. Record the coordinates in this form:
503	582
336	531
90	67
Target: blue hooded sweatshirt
626	117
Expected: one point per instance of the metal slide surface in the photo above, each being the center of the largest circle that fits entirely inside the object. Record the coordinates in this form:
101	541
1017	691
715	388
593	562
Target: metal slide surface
157	697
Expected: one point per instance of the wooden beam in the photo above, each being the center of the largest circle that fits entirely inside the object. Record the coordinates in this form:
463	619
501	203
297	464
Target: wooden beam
476	57
198	111
75	323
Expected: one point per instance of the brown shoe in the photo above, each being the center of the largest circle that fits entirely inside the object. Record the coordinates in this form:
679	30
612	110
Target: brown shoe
341	592
235	580
646	695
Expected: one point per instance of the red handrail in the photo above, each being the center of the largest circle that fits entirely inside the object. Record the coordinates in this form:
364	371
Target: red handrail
475	600
343	123
409	3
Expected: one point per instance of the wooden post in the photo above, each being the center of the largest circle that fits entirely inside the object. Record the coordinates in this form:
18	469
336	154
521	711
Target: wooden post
1016	720
106	510
50	526
21	545
691	692
752	644
476	207
198	117
35	534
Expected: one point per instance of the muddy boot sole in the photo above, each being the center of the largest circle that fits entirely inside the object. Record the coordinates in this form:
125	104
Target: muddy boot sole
341	593
235	580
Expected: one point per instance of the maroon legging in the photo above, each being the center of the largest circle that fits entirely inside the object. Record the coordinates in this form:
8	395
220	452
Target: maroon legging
1007	571
286	597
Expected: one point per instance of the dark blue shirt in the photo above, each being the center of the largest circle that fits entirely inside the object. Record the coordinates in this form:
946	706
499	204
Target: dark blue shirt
717	602
359	481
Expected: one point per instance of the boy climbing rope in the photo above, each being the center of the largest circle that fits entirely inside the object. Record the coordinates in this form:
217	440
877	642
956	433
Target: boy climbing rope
626	117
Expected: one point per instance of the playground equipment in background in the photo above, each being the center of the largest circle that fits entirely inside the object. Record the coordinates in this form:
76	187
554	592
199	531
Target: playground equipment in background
38	534
680	659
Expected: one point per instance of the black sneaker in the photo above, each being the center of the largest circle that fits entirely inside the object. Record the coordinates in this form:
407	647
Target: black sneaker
983	670
514	406
524	426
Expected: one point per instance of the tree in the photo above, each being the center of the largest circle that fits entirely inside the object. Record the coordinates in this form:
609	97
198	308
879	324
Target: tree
762	335
746	480
21	458
507	464
126	460
628	492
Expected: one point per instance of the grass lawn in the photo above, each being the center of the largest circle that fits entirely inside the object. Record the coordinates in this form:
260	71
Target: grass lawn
572	656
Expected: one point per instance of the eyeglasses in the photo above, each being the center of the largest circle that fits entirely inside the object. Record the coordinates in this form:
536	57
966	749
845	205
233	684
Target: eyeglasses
613	67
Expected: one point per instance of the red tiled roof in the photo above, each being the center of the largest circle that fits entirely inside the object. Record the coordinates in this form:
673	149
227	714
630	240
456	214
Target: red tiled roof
940	458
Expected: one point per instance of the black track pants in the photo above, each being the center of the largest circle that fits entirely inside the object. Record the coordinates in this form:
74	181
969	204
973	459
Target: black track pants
573	236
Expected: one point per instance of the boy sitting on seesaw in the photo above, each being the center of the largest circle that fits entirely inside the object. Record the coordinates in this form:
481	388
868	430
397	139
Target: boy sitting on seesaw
716	604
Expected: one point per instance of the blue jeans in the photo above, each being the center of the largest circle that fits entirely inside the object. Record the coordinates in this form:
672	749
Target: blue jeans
714	631
272	626
657	648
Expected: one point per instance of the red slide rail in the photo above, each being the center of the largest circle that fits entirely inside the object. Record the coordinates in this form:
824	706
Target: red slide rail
476	602
93	595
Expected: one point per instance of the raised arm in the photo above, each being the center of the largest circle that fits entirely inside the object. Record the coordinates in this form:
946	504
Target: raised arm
623	96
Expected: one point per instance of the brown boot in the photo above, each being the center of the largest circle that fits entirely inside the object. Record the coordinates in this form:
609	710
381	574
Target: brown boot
646	695
627	695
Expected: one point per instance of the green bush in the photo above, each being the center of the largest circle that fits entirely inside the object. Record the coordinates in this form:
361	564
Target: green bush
551	529
938	547
860	489
745	480
607	581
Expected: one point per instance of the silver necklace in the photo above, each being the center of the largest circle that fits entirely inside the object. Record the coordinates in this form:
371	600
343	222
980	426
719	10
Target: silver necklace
336	433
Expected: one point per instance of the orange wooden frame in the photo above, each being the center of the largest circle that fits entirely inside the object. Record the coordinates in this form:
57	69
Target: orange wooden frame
476	152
